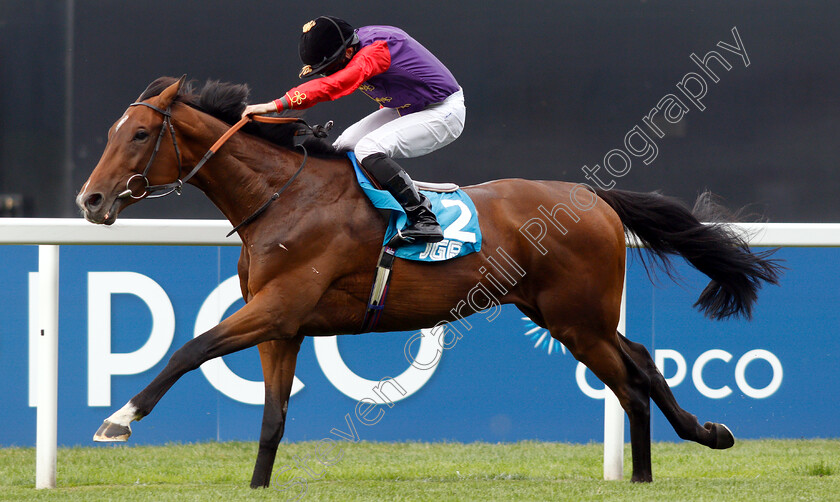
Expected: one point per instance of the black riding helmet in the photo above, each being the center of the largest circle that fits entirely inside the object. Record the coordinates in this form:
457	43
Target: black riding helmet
323	43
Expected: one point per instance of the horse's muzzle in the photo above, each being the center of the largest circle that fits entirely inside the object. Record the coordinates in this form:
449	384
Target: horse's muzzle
96	209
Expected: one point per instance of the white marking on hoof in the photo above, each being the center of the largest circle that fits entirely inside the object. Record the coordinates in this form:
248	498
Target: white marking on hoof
103	439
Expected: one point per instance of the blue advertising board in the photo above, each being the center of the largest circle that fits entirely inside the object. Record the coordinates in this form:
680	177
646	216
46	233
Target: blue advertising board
123	310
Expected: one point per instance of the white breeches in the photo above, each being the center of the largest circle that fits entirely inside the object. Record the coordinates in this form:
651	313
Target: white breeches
412	135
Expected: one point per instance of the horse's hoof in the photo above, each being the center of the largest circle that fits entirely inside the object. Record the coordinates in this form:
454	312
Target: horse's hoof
110	432
723	436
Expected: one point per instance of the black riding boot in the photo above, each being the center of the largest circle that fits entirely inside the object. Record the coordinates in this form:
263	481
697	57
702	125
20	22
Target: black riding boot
422	224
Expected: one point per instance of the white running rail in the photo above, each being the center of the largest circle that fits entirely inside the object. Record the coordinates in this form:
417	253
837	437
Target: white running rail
50	233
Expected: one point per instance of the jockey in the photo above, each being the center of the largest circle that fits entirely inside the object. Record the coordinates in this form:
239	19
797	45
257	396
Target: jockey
421	104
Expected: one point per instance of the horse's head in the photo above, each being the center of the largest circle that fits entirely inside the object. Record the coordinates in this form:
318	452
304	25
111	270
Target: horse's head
140	152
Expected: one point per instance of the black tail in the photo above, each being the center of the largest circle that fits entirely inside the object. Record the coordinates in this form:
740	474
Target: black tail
666	227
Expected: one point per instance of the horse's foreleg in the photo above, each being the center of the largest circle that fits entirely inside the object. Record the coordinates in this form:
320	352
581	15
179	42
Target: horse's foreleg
278	359
713	435
252	324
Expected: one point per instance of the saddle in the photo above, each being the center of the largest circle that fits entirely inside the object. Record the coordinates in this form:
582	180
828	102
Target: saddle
454	210
436	187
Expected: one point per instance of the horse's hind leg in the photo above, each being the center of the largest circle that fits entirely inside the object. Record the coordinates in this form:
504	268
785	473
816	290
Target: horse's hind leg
713	435
278	358
613	366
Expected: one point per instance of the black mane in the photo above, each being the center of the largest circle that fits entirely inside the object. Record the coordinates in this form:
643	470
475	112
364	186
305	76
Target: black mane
225	101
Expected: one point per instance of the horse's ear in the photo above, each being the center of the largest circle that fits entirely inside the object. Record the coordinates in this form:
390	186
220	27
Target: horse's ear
168	95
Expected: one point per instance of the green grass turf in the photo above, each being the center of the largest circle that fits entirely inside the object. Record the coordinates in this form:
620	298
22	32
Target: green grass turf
752	470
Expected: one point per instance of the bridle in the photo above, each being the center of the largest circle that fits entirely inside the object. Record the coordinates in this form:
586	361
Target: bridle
156	191
153	191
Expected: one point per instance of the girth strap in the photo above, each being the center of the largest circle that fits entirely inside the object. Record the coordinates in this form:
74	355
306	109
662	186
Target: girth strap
379	290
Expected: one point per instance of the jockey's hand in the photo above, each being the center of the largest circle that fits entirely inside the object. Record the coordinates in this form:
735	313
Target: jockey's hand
259	109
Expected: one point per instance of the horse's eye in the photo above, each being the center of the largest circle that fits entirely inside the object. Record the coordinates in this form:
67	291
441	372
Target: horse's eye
140	135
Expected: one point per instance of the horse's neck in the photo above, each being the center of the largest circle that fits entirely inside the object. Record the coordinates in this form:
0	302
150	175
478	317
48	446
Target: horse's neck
246	172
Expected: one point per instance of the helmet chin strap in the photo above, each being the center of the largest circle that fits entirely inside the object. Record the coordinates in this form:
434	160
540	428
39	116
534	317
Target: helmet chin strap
337	65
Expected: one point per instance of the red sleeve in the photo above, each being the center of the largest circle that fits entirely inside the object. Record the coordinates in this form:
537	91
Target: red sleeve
368	62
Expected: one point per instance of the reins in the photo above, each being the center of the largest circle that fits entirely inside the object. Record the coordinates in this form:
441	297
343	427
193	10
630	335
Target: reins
151	191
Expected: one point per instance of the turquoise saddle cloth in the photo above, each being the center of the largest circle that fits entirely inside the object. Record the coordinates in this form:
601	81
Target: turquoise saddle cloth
455	212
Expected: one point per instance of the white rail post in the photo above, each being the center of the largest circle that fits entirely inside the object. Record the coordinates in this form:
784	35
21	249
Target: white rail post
614	414
47	414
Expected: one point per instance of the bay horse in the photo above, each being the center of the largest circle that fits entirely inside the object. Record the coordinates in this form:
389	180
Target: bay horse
307	262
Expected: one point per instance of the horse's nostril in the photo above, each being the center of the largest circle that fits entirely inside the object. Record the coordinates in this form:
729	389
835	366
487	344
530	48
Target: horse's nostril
93	201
